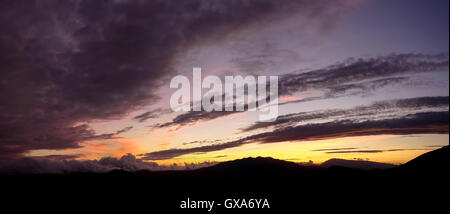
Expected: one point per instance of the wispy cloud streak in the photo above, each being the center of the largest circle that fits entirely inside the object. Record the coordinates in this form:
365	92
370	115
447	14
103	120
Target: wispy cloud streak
349	78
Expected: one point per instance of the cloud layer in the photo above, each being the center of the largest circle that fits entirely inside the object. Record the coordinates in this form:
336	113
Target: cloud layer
349	78
426	115
65	164
69	62
376	111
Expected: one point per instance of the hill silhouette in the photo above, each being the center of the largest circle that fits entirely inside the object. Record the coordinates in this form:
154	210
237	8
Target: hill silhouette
430	161
356	164
286	185
258	165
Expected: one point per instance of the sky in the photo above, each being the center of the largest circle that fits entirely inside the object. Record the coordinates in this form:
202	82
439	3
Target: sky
89	81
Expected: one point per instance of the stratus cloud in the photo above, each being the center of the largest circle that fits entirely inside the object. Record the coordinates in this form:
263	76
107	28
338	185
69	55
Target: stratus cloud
375	111
419	123
66	164
109	135
68	62
372	151
349	78
333	149
151	114
352	71
358	150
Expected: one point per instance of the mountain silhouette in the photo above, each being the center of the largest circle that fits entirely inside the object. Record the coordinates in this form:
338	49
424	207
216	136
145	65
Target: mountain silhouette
258	165
431	161
356	164
288	186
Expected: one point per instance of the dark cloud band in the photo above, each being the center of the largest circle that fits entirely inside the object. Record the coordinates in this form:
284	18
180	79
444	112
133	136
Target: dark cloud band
350	78
419	123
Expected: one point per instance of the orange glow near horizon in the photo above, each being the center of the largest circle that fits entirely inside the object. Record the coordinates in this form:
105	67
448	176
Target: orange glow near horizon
403	149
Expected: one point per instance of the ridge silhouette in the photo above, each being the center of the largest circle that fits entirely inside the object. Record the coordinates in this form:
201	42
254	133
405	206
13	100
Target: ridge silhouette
286	185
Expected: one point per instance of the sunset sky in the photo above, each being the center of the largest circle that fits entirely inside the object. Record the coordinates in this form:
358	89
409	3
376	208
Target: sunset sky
358	79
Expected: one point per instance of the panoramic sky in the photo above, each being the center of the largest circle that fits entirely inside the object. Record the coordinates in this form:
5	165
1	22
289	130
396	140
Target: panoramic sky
89	81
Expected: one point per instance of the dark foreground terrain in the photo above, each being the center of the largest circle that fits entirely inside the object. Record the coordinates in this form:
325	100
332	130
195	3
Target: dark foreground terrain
288	187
